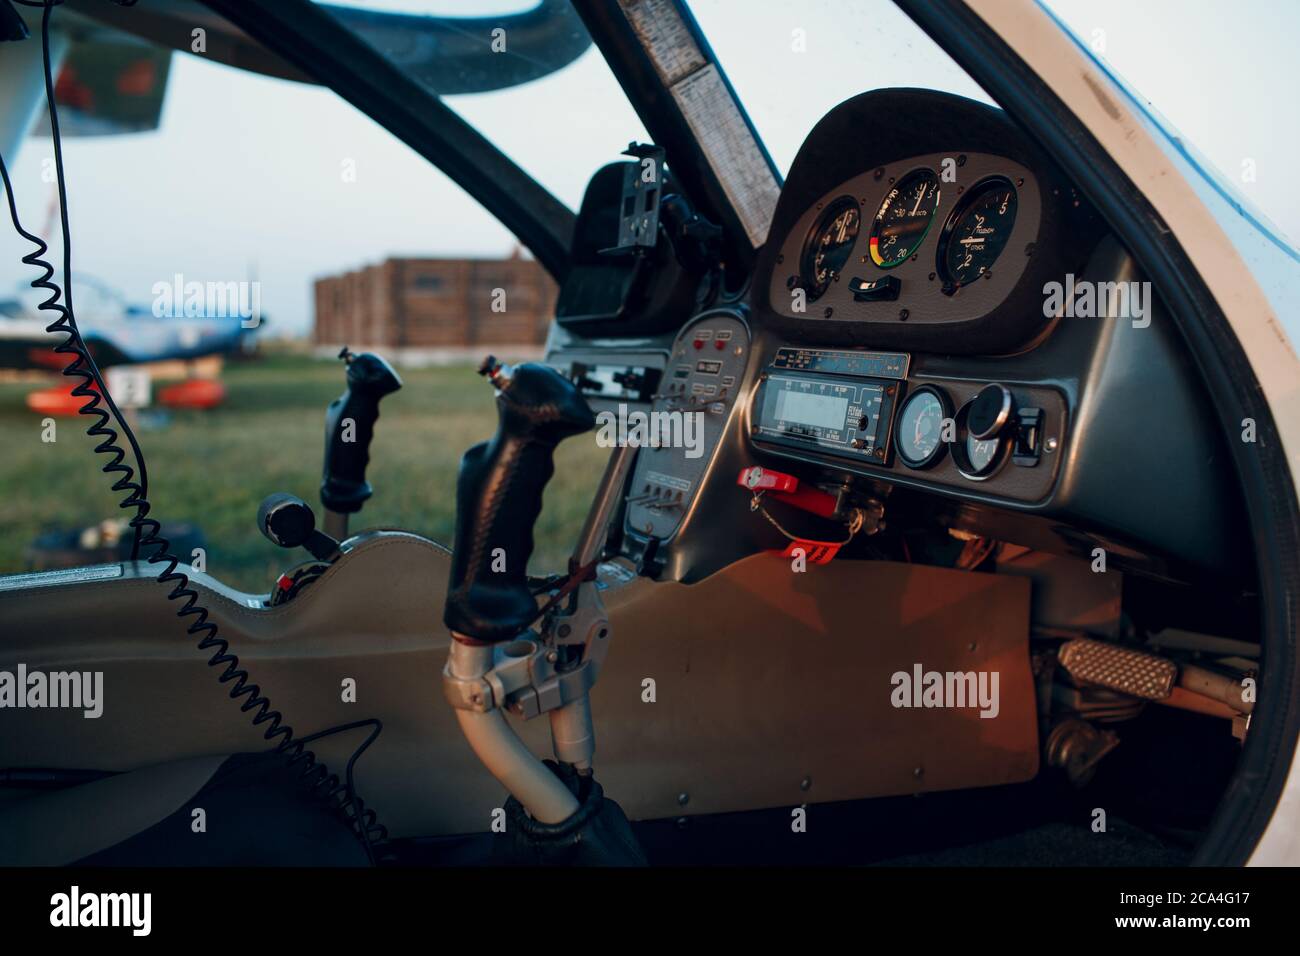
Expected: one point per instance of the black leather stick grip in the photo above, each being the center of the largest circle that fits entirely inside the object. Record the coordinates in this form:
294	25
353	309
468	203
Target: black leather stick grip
498	499
349	427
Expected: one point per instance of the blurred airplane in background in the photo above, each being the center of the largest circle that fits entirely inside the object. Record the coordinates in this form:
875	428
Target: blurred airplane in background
118	332
113	84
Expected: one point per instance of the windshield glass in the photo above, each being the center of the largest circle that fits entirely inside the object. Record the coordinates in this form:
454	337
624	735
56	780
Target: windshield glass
1226	113
523	73
793	62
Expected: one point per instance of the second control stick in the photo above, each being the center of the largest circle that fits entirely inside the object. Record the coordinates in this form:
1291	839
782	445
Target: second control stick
349	427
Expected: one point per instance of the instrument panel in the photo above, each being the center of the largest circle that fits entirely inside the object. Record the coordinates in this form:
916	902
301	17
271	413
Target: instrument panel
928	240
688	416
861	411
896	329
920	221
902	286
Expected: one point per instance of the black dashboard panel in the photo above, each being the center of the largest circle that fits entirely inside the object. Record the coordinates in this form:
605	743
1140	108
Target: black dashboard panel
1063	434
954	358
1122	446
857	191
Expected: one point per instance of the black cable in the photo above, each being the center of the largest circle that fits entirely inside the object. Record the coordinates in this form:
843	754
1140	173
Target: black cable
339	796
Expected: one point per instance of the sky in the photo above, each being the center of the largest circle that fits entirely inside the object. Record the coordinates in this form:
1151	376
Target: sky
246	176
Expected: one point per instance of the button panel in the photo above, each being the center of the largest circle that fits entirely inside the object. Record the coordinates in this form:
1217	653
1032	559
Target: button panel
687	419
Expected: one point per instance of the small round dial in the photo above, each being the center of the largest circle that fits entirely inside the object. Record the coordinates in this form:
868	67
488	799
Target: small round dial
982	454
977	232
904	218
829	245
978	458
919	436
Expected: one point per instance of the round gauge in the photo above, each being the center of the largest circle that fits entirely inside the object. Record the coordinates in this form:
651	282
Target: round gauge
977	458
982	454
977	232
919	435
829	245
904	218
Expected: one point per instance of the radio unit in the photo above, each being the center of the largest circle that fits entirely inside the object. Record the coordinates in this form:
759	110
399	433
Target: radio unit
838	402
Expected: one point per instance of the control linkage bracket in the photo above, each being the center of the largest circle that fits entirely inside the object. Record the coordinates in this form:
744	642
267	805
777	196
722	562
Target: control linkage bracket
527	677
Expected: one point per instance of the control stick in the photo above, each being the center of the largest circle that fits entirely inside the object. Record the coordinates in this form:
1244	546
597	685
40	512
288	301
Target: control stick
499	496
557	811
349	427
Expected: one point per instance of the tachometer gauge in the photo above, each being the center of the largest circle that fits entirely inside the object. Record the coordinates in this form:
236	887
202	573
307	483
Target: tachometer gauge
977	232
904	218
829	245
919	434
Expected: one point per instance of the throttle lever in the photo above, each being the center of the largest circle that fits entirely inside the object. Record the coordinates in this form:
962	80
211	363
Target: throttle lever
349	428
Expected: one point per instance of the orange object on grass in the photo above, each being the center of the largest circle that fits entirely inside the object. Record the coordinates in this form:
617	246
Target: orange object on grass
56	401
195	393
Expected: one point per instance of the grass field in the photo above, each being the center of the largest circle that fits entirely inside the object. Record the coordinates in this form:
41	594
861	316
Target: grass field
213	468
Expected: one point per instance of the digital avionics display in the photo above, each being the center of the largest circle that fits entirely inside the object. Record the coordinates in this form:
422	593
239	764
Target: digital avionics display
814	411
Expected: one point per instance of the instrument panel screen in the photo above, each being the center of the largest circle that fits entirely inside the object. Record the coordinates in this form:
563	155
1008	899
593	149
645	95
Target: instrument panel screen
846	415
806	408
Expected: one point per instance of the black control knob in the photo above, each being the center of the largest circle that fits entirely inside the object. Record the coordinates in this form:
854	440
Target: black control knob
990	411
288	521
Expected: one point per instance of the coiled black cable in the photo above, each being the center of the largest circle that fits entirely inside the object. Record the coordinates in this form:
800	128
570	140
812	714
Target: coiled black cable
340	796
